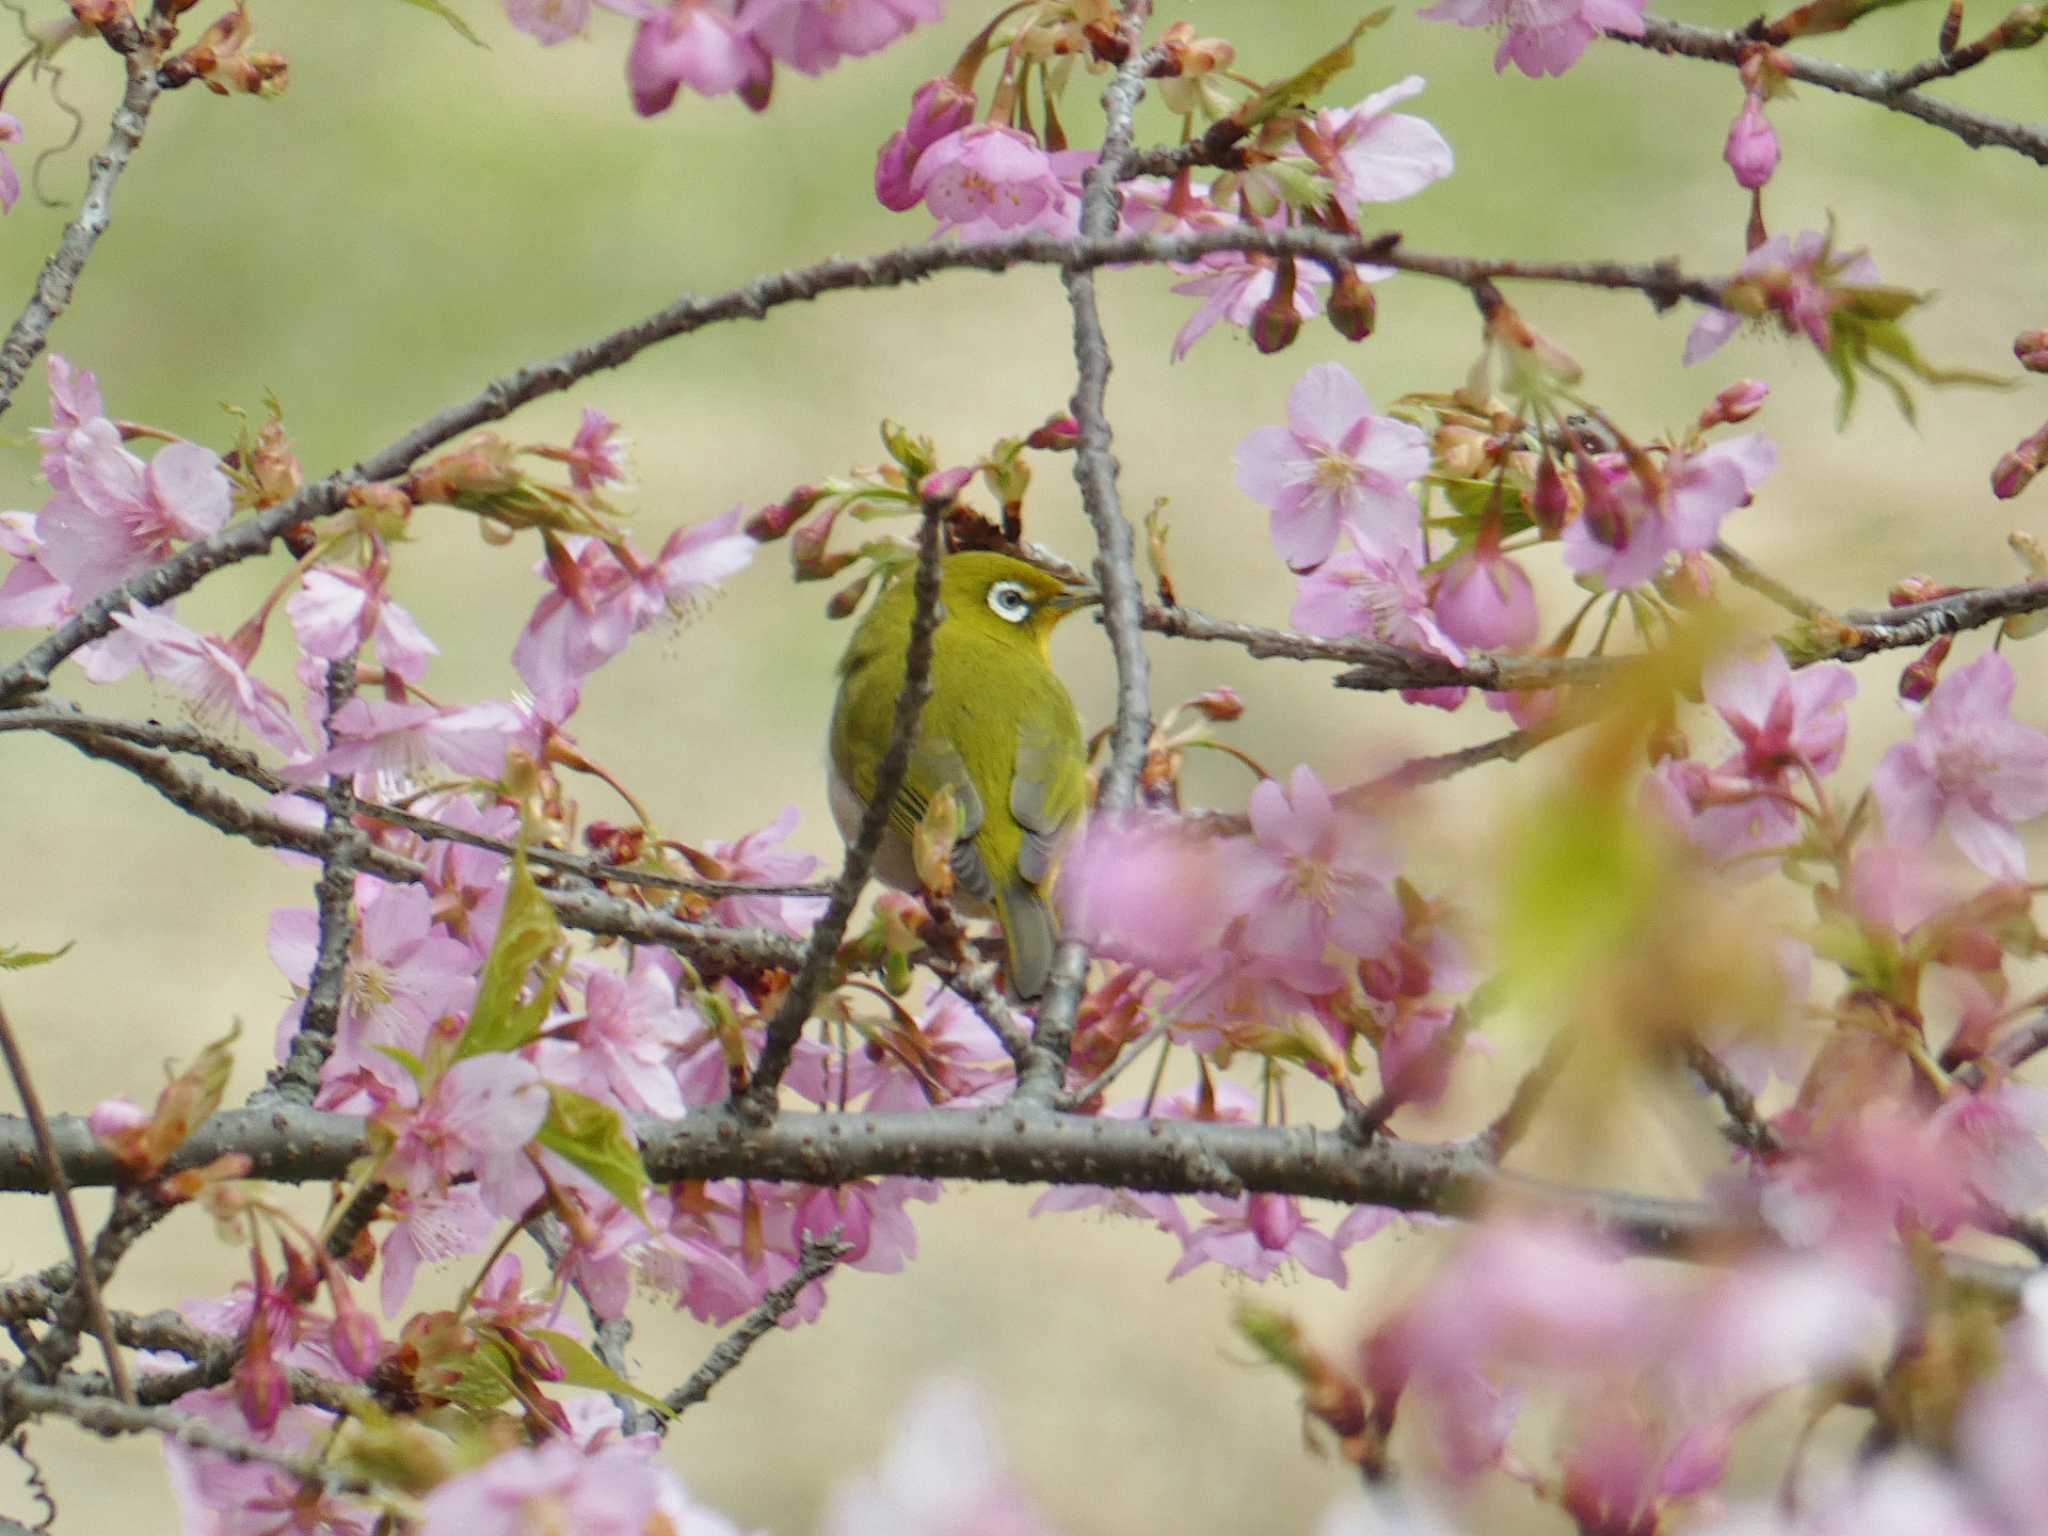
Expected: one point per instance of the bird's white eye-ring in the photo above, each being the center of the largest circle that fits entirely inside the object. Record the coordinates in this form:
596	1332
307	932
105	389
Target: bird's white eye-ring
1011	601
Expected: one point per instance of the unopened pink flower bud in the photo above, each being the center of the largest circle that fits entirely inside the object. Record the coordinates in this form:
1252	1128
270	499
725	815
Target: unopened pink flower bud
1752	148
1352	309
841	604
1920	676
262	1390
1738	402
1219	704
111	1119
2031	348
357	1344
2011	474
1059	434
1908	590
1485	600
775	520
1276	322
942	486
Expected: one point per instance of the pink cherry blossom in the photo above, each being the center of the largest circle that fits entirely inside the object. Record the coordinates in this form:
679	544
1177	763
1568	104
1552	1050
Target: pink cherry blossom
1311	876
1483	599
698	43
605	594
1380	156
604	1247
404	972
1234	285
813	35
625	1043
1628	547
391	748
214	679
116	516
597	454
1543	37
30	596
337	610
942	1475
10	178
986	179
615	1490
219	1496
1752	147
549	21
869	1216
1372	589
940	107
1334	463
1147	888
758	858
1259	1235
1787	725
1804	282
1970	769
433	1227
478	1118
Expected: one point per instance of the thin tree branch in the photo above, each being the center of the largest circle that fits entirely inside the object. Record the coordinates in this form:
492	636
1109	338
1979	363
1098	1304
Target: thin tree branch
58	280
610	1336
1887	88
713	950
1917	624
85	1281
104	1416
1759	580
297	1078
1746	1127
134	1212
794	1011
245	540
61	717
816	1261
976	986
1116	577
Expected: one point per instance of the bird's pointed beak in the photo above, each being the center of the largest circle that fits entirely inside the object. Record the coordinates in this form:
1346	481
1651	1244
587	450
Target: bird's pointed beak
1074	597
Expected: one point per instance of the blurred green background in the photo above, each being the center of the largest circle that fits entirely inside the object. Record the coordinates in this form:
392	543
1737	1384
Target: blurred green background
418	214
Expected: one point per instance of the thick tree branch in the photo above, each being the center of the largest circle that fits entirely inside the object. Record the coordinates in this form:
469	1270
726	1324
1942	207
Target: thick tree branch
58	280
245	540
1887	88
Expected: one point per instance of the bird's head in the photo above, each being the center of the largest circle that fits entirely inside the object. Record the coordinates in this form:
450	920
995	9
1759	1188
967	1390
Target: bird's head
1005	598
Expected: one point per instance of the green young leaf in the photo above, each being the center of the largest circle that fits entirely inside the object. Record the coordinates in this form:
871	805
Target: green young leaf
581	1368
1300	90
447	13
594	1138
13	959
481	1381
527	932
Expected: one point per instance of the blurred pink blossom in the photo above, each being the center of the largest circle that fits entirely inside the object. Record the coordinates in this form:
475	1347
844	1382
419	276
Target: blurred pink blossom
1970	769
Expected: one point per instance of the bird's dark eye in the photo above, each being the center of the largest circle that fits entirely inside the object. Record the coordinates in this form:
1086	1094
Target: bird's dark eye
1010	601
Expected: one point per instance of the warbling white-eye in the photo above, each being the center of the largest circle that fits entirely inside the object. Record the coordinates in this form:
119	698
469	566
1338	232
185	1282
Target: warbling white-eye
998	728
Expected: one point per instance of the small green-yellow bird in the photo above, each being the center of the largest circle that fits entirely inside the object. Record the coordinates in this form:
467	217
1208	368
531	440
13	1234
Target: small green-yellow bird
998	728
